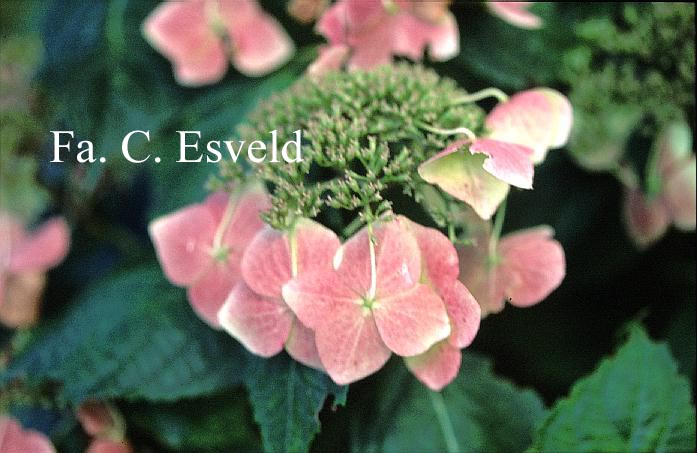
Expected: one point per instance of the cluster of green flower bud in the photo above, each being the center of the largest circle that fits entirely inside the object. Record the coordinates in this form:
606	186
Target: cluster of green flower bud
362	138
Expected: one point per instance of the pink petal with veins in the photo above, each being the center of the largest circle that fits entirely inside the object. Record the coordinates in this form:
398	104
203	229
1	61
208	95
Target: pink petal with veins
372	47
332	25
301	346
437	367
183	242
42	249
262	325
411	321
539	119
182	32
246	220
14	439
440	262
349	344
507	161
532	265
462	175
463	311
209	291
260	45
266	265
516	13
331	58
364	13
313	296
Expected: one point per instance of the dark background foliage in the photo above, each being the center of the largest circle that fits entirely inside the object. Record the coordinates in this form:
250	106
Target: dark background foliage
112	327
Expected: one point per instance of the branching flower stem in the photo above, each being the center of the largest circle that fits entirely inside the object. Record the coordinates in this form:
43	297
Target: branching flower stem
482	94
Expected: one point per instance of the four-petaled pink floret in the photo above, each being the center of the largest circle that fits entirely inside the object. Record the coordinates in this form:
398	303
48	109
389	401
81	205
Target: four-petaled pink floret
525	267
370	304
200	247
200	37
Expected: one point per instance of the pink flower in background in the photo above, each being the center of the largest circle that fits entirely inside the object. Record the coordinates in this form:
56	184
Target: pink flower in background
14	439
516	13
480	171
377	30
648	217
370	304
438	366
526	267
24	259
200	246
255	312
306	11
192	35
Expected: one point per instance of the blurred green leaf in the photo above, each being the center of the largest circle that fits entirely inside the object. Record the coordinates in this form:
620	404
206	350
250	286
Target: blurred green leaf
479	411
131	336
214	423
634	401
287	397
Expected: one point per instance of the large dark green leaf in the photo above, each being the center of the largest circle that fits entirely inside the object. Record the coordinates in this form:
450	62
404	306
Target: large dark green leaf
287	397
479	411
634	401
131	336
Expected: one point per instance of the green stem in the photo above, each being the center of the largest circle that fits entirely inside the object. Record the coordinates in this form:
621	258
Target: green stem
446	425
496	231
373	264
458	130
482	94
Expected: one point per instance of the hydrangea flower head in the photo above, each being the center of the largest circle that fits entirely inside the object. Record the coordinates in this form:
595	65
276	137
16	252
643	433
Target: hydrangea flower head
200	247
192	34
370	304
255	312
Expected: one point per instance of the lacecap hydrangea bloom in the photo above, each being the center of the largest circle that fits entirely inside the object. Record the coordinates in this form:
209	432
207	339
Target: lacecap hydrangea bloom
337	277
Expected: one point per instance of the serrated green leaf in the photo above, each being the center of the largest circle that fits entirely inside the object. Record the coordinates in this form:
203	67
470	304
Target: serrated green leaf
634	401
287	397
131	336
479	411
